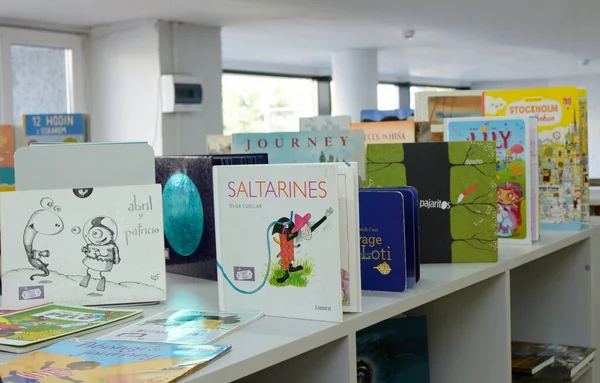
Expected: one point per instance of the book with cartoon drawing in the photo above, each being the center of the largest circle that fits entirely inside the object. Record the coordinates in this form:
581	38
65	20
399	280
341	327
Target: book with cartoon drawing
185	326
29	329
92	246
283	234
83	360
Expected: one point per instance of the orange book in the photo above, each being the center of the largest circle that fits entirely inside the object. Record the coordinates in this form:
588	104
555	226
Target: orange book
7	146
386	132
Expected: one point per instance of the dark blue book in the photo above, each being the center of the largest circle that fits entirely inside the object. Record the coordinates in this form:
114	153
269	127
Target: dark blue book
188	206
375	115
395	350
382	240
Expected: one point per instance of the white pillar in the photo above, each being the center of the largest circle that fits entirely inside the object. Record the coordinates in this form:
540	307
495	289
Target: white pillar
355	78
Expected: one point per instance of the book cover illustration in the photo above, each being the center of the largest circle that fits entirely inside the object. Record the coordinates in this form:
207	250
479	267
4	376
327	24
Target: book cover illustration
305	147
559	148
26	327
452	106
568	360
184	326
321	123
376	115
7	179
100	361
54	128
278	240
585	155
89	246
7	146
386	132
383	241
457	195
218	144
395	350
188	209
513	177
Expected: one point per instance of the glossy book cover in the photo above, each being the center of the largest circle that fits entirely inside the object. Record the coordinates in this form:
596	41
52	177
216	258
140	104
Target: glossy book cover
89	246
515	212
457	195
54	128
383	240
188	208
278	236
393	351
184	326
559	148
101	361
39	324
305	147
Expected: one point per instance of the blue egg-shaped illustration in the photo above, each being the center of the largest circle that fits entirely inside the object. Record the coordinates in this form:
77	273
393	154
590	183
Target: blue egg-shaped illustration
183	214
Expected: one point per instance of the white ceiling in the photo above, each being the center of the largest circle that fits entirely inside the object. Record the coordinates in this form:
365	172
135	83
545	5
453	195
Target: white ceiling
456	40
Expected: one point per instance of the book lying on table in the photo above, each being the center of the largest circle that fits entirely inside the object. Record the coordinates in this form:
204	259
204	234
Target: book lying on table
30	329
185	326
81	360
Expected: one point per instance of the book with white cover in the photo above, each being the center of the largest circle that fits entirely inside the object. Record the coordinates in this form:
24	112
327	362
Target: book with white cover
93	246
278	240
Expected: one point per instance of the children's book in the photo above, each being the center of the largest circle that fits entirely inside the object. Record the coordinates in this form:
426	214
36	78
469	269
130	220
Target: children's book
585	156
56	166
29	329
457	195
95	361
87	246
7	179
395	350
319	123
559	147
375	115
386	132
434	106
516	194
383	240
7	146
305	147
568	360
54	128
280	235
218	144
188	209
185	326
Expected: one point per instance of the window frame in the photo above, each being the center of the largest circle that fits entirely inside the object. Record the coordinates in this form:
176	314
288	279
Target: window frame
21	36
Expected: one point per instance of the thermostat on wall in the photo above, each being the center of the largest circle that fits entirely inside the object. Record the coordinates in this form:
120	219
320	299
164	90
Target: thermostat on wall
181	93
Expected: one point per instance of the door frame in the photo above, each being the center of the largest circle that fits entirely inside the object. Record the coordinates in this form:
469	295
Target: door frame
20	36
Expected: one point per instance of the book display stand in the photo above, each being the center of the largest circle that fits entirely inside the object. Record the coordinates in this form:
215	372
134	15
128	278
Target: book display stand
546	292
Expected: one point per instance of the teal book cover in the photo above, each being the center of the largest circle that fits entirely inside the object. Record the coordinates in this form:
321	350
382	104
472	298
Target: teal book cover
513	176
305	147
395	350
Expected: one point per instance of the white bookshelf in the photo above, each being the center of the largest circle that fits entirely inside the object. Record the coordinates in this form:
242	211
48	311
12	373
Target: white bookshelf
547	292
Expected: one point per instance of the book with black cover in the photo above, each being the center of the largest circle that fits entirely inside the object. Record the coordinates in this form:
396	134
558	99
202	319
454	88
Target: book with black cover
189	220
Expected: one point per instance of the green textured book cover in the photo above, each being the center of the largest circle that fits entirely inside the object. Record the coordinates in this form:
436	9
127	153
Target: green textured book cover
457	195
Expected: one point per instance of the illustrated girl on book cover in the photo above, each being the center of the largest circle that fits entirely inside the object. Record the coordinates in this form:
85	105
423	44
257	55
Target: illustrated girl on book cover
510	196
287	238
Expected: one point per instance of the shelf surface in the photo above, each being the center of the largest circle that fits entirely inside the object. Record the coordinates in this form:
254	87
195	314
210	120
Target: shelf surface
272	340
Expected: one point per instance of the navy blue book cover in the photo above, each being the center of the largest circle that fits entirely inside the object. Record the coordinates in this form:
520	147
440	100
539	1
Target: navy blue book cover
382	240
392	351
188	206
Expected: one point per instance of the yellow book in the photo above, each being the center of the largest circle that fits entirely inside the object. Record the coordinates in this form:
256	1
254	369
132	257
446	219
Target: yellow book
559	147
585	158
